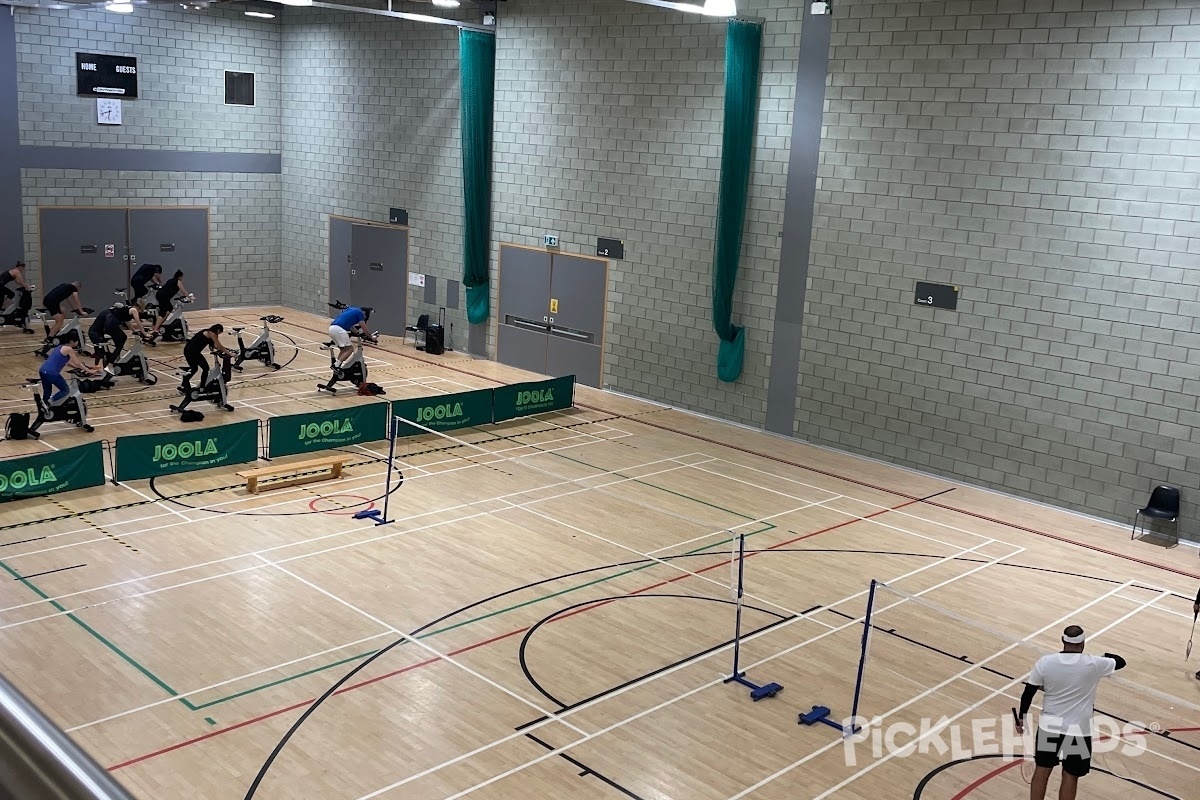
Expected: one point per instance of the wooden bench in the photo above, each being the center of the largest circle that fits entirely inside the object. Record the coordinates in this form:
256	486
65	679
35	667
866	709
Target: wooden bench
322	469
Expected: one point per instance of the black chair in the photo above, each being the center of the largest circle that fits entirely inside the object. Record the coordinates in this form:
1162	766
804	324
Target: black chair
1163	505
421	326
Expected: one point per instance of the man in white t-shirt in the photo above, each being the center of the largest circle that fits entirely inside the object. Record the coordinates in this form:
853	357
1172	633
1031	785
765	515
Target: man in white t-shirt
1064	734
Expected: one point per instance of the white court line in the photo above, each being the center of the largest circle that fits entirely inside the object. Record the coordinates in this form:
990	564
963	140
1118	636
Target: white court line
258	508
671	564
418	642
899	511
176	698
1171	611
335	534
637	684
943	723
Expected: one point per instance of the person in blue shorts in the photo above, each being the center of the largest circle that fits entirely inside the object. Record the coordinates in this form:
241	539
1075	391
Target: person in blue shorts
60	358
343	324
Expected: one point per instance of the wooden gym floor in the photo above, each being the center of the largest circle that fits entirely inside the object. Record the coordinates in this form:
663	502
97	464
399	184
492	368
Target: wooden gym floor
553	602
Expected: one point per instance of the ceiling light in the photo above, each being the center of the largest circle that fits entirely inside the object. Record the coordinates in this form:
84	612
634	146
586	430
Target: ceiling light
720	8
446	3
260	14
120	8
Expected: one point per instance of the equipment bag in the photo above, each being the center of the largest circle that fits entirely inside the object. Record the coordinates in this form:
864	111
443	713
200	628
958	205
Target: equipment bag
17	426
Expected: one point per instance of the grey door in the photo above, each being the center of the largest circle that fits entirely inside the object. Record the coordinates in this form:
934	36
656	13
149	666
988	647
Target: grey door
521	338
379	275
83	244
577	298
177	238
340	235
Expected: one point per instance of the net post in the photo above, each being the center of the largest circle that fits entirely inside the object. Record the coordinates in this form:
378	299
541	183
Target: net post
375	515
757	692
862	654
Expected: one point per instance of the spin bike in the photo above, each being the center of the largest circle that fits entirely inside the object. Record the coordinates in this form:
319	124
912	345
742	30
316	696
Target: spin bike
132	362
72	408
16	311
174	328
261	349
214	390
354	369
72	324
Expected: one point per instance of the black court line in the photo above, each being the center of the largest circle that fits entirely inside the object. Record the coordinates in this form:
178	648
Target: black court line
937	494
998	673
24	541
920	790
606	600
585	769
47	572
308	712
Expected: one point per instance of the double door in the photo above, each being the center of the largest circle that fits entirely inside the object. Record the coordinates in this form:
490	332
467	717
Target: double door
103	247
368	266
552	313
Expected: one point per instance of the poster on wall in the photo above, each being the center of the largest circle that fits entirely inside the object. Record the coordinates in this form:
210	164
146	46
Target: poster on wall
98	75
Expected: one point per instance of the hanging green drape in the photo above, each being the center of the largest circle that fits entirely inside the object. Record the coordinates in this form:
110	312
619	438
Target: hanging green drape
743	48
477	67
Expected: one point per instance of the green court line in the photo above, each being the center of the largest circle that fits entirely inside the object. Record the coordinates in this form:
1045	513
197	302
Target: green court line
210	720
97	635
472	620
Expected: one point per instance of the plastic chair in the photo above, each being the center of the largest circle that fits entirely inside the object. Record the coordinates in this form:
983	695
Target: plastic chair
1163	505
422	326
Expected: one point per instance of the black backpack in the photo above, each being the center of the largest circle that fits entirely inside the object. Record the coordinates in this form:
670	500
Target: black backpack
17	426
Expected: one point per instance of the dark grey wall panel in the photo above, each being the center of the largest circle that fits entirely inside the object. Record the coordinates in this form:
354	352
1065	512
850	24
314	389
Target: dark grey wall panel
811	72
431	289
11	245
104	158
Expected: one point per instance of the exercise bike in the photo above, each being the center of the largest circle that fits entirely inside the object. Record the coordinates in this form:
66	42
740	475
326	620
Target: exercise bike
214	390
174	328
132	362
261	349
144	307
73	323
16	311
72	408
354	369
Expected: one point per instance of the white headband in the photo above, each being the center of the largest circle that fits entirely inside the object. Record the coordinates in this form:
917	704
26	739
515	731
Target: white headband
1073	639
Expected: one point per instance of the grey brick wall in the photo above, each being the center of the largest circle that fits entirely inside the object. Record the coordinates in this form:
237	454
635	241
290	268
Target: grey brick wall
243	219
181	61
608	123
370	122
1042	157
182	58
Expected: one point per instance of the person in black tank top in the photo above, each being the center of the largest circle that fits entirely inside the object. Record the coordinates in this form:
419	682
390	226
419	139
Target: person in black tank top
193	351
171	288
15	275
146	274
64	293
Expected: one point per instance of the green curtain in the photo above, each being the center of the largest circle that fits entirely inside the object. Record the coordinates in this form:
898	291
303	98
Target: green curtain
477	67
743	55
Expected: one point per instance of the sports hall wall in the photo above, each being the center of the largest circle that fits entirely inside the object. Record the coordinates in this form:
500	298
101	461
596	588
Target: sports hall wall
1049	165
66	159
370	122
608	123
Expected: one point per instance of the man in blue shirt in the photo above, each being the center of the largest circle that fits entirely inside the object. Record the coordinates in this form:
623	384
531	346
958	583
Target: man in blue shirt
343	324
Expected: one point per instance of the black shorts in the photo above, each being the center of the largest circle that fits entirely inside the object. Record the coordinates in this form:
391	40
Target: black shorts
1074	752
53	309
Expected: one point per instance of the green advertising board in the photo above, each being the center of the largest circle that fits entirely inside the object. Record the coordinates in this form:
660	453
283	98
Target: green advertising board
523	399
154	454
445	412
325	430
48	473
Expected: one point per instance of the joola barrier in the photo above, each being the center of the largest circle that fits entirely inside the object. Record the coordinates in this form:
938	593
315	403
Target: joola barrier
155	454
324	430
49	473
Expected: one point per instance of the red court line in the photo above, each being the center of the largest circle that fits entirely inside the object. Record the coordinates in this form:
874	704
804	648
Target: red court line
966	790
476	645
642	421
